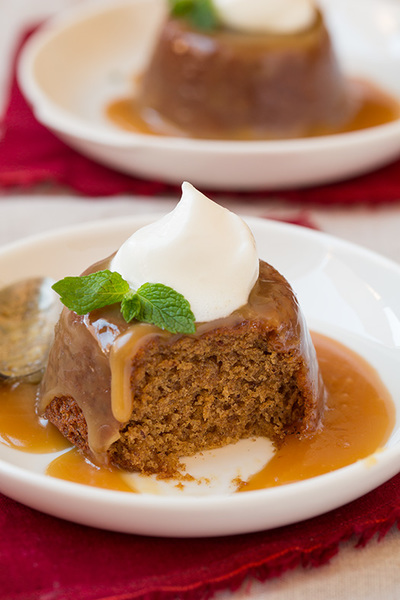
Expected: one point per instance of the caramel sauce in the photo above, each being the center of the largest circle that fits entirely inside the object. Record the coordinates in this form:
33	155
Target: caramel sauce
359	417
358	420
20	427
71	466
374	107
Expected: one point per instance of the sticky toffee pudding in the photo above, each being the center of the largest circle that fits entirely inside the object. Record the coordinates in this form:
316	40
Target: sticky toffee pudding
139	398
233	85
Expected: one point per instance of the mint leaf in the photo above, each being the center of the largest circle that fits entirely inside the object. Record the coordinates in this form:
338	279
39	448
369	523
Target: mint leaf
166	308
153	303
86	293
180	8
204	16
130	307
200	13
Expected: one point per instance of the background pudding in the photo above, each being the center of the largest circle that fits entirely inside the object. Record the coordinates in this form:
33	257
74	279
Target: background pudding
228	83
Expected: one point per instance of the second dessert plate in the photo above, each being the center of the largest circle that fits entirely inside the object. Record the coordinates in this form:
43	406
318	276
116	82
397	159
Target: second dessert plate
346	292
78	62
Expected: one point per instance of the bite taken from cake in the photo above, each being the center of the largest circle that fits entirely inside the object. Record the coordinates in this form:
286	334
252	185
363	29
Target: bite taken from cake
181	342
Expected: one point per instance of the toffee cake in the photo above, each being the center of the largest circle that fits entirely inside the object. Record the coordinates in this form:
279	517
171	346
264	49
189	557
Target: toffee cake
140	398
225	83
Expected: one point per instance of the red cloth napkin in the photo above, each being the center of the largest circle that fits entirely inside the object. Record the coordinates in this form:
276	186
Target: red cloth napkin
44	557
30	154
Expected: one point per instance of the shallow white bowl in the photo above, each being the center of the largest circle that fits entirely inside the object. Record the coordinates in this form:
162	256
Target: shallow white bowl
80	60
346	292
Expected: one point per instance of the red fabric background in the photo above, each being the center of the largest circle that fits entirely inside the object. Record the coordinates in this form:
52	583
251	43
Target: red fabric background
30	154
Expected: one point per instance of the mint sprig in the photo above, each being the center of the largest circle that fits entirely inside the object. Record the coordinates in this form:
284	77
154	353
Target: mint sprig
200	13
153	303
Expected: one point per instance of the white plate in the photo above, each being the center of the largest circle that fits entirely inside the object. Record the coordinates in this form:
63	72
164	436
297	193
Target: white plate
346	292
79	61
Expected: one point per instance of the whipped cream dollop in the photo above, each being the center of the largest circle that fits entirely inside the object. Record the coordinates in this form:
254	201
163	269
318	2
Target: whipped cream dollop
266	16
200	249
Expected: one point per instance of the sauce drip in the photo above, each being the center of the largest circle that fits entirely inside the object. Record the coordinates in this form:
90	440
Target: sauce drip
358	420
122	350
374	107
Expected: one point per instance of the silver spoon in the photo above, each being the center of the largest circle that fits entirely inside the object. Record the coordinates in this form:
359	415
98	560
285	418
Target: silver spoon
29	310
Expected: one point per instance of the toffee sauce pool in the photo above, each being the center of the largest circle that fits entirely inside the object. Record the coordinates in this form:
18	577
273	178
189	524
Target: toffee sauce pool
374	108
358	420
